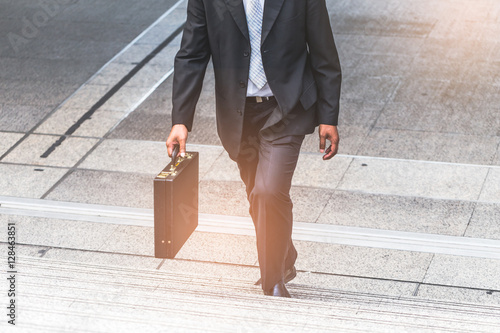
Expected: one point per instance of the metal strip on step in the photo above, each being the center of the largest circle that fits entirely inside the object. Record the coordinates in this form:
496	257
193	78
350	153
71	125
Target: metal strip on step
312	232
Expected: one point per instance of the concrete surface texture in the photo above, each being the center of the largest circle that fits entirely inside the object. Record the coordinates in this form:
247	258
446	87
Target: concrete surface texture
398	233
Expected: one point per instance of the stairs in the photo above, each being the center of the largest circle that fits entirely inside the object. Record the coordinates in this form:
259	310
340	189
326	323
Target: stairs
68	296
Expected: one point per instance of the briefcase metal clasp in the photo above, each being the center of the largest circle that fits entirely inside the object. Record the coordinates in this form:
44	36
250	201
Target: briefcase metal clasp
173	167
165	174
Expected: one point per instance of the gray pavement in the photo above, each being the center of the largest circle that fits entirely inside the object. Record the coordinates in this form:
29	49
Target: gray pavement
398	233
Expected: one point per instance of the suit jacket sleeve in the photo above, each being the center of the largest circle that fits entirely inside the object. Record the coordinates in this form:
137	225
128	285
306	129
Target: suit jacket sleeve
324	61
190	65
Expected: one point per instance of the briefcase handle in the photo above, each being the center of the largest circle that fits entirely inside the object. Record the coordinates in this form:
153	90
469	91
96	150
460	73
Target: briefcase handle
175	152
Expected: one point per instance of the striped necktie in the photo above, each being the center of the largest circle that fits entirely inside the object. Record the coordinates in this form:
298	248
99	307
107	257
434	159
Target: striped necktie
254	18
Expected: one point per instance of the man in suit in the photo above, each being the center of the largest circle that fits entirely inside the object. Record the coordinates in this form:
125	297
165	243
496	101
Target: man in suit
277	77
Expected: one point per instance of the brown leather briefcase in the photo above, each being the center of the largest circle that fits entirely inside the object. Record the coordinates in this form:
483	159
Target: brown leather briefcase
175	204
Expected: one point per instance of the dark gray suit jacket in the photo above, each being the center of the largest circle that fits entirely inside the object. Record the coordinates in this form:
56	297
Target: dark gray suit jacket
298	54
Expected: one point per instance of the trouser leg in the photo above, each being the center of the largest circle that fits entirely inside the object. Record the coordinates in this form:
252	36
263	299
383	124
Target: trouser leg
268	178
271	207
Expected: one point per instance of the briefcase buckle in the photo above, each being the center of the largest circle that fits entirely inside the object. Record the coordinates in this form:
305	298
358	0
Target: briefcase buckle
173	167
165	174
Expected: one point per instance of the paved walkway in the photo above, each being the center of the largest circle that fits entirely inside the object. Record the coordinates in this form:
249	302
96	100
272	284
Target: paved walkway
400	232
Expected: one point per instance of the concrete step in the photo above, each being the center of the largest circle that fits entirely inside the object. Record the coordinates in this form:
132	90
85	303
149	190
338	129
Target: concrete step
439	203
344	227
61	295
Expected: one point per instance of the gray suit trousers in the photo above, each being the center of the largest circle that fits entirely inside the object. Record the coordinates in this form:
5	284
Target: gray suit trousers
267	167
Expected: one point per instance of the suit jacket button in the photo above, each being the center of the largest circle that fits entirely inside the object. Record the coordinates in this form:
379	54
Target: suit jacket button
242	84
246	54
239	112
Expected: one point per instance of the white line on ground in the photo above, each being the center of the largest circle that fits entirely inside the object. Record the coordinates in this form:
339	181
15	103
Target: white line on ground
136	39
143	98
313	232
129	45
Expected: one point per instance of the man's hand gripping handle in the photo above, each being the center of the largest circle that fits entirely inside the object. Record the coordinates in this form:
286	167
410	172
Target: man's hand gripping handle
178	136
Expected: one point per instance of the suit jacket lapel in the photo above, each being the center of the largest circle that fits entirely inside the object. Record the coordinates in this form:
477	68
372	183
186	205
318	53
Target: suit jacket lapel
271	10
237	10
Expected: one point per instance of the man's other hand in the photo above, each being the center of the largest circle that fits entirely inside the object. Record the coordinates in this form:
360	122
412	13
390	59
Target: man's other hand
330	133
178	135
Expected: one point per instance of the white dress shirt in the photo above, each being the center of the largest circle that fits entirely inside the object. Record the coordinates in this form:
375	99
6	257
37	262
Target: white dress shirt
252	90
